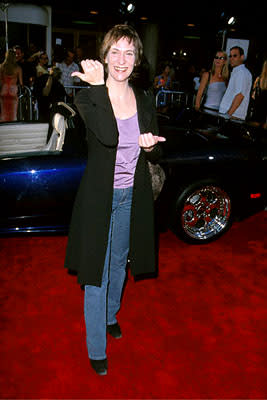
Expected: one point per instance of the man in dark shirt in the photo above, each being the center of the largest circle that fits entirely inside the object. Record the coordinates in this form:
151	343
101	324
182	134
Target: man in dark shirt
28	68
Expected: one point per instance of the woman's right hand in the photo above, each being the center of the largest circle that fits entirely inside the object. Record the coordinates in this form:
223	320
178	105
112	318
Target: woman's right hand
93	72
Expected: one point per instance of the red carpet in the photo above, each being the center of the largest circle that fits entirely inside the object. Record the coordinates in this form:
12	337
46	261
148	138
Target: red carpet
197	331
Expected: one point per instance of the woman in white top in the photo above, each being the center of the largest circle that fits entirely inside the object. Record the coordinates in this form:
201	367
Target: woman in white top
213	83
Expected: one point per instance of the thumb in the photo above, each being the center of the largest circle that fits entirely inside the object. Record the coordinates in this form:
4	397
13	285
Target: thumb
76	73
160	138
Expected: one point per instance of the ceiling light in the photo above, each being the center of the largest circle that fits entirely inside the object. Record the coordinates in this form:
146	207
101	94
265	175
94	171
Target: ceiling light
126	7
231	21
130	8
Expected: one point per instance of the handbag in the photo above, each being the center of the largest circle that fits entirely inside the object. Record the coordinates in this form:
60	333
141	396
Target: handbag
158	177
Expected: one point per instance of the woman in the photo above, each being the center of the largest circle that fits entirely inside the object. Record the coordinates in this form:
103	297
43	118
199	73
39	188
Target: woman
259	98
164	80
213	84
10	77
113	210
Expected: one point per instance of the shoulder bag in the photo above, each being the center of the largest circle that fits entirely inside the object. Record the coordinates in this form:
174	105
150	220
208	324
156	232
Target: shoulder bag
158	177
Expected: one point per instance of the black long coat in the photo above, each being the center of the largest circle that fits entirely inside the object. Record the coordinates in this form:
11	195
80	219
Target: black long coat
88	235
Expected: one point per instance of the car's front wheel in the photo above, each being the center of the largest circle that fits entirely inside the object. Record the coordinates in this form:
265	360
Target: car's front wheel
203	212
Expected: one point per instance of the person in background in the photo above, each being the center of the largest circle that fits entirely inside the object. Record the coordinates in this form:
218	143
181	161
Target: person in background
68	66
188	72
48	90
42	66
259	98
113	212
213	83
32	52
197	79
79	56
164	80
28	67
10	78
58	55
237	95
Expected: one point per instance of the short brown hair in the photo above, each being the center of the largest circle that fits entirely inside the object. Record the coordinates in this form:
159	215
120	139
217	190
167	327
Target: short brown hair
115	34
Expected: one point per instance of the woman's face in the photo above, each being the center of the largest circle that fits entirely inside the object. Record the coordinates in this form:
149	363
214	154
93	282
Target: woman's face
220	59
120	60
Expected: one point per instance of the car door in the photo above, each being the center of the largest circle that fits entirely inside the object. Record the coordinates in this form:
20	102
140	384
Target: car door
37	191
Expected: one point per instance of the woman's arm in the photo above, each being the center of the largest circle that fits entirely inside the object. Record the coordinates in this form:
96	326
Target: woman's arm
254	87
19	76
202	86
48	86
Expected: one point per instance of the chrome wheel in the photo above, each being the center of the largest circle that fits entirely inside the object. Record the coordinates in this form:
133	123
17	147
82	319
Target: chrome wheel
205	213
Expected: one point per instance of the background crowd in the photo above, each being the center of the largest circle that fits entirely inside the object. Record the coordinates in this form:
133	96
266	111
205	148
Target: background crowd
226	86
25	73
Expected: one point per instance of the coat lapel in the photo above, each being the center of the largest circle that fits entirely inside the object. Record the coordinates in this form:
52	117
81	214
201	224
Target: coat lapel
99	96
143	101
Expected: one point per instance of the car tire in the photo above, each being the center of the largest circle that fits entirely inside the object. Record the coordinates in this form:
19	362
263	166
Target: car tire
203	212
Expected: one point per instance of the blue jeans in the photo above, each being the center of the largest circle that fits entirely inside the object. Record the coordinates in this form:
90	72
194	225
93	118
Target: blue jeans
101	304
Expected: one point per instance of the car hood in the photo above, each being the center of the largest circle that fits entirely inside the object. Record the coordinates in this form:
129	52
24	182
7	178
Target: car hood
203	143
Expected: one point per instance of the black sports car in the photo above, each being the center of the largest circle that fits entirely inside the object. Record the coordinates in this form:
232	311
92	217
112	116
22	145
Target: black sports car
215	168
216	172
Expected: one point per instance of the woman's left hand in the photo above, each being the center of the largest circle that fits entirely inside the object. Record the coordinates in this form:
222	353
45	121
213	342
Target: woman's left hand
147	141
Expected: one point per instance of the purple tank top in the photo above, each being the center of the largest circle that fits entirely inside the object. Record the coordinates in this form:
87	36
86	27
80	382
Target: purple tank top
127	152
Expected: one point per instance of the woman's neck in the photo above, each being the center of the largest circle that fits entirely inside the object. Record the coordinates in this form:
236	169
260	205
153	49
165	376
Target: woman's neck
119	90
218	72
122	99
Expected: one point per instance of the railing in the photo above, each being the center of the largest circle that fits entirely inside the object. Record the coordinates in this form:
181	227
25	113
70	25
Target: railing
28	105
171	97
24	103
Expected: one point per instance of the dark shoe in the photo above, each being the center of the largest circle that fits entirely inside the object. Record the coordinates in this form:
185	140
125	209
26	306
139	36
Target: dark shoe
114	330
100	366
